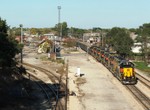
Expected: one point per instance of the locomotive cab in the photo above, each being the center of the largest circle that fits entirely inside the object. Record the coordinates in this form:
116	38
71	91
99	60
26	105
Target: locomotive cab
127	72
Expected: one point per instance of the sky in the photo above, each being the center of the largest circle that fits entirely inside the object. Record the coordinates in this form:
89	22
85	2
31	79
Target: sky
77	13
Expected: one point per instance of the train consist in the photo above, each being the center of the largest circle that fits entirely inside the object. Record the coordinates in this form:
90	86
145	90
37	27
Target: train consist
120	67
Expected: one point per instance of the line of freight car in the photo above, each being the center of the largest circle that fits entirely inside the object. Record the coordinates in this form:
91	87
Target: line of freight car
120	67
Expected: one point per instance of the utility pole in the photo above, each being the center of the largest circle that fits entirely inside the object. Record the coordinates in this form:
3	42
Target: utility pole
21	40
102	39
59	25
21	33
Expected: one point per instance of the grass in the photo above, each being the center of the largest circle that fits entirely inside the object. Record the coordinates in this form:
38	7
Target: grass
43	58
142	66
58	60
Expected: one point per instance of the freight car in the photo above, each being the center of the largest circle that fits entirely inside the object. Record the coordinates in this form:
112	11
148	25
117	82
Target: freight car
120	67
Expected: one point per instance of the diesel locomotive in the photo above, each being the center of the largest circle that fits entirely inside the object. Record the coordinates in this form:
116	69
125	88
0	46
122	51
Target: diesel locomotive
121	68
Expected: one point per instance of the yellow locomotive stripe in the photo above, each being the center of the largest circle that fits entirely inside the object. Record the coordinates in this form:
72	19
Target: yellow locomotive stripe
128	72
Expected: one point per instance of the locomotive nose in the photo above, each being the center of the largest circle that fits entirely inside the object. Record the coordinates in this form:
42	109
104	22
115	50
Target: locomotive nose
128	72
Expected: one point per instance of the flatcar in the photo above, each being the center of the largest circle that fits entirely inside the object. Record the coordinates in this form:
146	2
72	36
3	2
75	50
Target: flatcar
121	68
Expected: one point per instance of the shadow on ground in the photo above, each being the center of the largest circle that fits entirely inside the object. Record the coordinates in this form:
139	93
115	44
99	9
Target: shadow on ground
25	94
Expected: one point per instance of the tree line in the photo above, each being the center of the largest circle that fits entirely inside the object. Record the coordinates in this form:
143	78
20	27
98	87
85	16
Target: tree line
117	38
120	40
60	29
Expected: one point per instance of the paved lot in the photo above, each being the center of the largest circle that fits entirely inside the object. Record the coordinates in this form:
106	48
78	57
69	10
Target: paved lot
99	89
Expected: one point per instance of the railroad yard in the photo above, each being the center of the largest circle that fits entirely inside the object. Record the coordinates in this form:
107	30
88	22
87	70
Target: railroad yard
100	91
74	55
95	89
77	82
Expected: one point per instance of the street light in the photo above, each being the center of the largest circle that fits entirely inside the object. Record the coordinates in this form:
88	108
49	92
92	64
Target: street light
59	25
21	41
21	33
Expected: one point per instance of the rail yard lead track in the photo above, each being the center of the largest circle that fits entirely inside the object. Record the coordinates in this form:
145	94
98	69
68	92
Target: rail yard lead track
59	105
143	80
41	86
48	90
47	72
142	98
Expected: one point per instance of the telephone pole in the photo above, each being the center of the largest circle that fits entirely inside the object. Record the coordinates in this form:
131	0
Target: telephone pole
21	41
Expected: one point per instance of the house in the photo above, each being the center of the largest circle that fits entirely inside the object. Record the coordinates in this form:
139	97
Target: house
43	46
137	48
52	37
91	37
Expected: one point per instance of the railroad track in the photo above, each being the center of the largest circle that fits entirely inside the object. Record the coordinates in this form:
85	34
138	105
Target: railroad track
56	86
143	80
141	98
43	88
54	78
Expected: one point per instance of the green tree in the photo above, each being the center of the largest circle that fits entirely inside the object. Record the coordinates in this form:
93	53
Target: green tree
44	30
34	31
62	29
144	38
9	47
76	32
16	31
120	41
3	26
96	29
65	31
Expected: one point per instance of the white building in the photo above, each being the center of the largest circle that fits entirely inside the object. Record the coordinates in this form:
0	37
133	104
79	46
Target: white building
51	36
91	37
137	48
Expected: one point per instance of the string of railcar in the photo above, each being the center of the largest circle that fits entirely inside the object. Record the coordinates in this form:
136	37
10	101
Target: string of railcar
121	68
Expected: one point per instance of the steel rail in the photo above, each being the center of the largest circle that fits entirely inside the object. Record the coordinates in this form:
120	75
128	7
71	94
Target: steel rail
43	89
58	103
143	80
141	98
